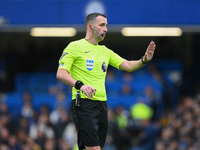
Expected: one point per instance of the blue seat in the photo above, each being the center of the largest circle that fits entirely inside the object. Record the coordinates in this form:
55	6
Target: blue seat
14	102
123	100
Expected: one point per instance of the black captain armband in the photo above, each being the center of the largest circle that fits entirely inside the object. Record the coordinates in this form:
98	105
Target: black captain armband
142	59
78	84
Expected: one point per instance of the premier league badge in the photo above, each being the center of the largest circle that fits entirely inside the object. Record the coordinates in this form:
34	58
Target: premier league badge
103	67
89	64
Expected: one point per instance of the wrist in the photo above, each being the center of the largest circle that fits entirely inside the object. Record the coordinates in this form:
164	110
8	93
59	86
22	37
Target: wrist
78	84
142	60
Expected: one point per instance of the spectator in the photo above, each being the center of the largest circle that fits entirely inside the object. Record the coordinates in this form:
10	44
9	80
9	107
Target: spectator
49	144
32	144
13	144
68	135
56	114
21	137
113	135
42	127
23	124
141	111
121	117
4	147
126	89
62	122
110	76
127	77
27	110
153	100
4	135
5	121
61	100
147	138
167	135
64	145
160	146
3	108
44	109
26	147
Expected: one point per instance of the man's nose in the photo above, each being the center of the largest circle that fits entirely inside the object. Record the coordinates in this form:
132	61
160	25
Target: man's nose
106	29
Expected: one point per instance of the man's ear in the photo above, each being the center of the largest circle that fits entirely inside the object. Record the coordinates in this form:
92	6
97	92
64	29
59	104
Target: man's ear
90	26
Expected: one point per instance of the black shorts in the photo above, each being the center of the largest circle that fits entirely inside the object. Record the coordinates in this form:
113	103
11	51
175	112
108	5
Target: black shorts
91	121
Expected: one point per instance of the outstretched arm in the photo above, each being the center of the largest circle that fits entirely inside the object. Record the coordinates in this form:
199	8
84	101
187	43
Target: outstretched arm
66	78
134	65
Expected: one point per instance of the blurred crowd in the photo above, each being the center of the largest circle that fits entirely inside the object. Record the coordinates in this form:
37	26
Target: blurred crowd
133	129
181	128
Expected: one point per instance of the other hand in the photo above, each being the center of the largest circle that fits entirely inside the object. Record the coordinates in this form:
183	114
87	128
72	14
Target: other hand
88	90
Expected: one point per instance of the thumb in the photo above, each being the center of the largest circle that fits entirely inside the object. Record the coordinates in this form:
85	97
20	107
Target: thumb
145	56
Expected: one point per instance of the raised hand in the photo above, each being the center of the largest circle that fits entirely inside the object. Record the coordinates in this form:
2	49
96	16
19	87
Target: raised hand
149	52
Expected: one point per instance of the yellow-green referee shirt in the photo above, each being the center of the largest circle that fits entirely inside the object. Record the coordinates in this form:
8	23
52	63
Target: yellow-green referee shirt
88	62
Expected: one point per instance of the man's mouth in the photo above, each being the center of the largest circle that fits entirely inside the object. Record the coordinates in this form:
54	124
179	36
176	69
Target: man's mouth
103	35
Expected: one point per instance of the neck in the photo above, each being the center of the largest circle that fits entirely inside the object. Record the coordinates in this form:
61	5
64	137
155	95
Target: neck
91	39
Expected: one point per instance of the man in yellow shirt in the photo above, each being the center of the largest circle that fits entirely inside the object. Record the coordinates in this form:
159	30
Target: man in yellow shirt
83	65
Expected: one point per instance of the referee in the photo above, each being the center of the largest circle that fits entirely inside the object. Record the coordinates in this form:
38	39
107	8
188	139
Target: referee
83	65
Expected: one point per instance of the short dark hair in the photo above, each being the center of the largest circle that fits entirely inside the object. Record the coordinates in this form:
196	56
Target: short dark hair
92	16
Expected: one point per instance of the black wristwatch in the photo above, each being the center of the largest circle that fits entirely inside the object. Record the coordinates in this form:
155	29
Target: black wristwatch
142	59
78	84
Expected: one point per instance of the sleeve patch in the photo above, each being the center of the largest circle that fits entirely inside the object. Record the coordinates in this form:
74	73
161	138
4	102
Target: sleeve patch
63	54
61	64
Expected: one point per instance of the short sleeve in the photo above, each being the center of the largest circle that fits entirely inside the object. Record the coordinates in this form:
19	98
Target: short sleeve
68	56
115	60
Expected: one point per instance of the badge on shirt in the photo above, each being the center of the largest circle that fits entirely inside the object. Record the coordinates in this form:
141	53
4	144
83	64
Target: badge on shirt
103	67
89	64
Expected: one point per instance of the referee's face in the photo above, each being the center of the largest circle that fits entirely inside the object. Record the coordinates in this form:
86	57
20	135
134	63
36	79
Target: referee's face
100	28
